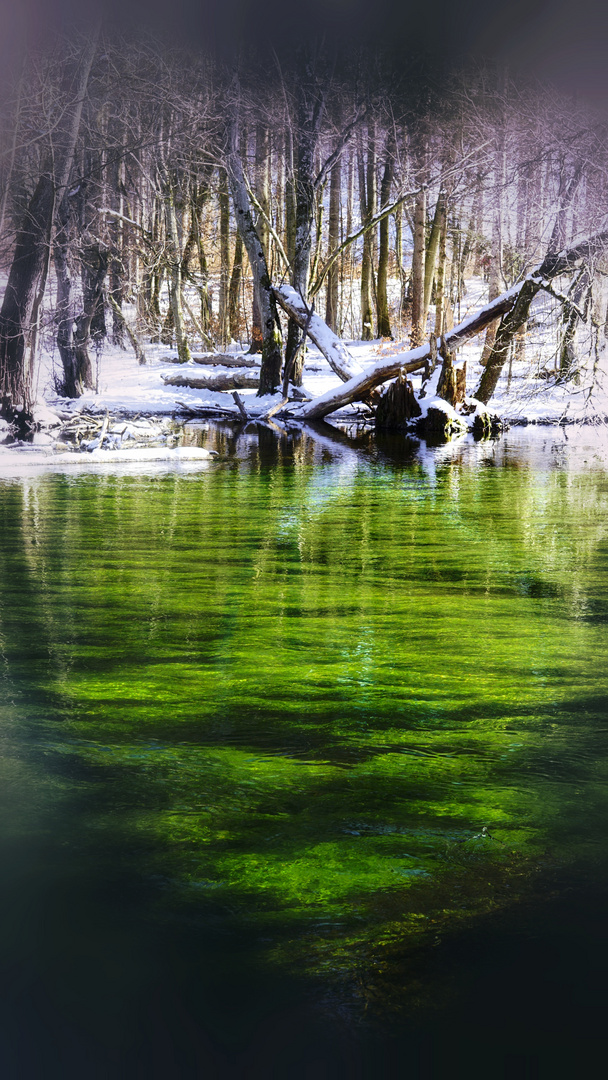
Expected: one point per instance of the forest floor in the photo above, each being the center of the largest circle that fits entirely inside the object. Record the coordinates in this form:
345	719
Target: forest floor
126	387
528	393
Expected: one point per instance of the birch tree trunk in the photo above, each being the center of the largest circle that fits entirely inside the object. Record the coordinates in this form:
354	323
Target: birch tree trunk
270	373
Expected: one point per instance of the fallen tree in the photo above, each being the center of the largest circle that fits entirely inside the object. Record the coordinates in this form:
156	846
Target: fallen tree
225	360
237	380
329	344
512	307
389	367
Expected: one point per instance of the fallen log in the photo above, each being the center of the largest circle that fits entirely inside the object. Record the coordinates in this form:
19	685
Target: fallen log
516	299
389	367
215	360
198	411
238	380
226	360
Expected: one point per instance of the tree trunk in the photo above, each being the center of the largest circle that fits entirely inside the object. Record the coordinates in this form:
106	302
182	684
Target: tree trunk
175	274
367	201
431	254
270	374
452	384
74	330
329	344
290	197
310	103
236	277
262	194
502	341
94	269
64	312
384	324
417	278
496	254
333	239
570	317
27	277
117	266
398	216
440	299
495	282
224	257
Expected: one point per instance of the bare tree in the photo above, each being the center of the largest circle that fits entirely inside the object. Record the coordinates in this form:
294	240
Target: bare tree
29	270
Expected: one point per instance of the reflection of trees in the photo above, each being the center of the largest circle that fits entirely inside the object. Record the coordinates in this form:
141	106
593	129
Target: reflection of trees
301	692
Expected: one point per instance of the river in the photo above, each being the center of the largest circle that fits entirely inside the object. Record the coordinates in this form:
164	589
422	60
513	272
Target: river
303	761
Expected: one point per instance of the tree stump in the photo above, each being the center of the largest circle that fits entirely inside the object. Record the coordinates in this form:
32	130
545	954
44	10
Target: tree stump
452	385
487	426
397	406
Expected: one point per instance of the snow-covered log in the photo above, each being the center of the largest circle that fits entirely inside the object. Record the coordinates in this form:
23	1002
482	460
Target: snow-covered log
236	380
413	360
518	296
225	360
329	344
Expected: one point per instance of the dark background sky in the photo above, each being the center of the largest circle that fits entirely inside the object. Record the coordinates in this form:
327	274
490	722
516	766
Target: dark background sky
562	40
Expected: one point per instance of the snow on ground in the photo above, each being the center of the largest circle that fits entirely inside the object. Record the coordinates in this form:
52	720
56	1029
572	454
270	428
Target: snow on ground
126	388
129	388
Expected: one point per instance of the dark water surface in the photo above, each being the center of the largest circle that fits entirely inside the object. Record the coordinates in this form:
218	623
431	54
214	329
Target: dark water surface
303	762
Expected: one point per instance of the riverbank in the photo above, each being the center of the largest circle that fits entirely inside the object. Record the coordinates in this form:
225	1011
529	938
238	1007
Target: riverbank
142	409
126	387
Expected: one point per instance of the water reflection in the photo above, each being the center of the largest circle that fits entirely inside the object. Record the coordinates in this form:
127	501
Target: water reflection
305	712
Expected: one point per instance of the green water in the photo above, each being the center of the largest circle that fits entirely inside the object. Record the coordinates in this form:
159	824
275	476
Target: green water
319	709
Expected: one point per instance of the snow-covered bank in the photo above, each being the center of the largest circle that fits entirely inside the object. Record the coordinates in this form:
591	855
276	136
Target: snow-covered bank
526	394
128	388
527	391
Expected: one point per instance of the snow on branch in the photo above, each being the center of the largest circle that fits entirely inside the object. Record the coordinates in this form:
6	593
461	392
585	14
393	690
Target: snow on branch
329	344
